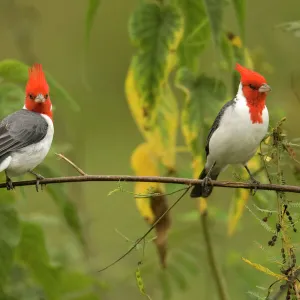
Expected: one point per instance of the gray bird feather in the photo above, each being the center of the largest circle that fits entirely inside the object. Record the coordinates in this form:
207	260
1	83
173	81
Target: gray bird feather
21	129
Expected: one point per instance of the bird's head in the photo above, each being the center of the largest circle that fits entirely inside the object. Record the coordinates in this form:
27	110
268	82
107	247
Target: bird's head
254	86
37	92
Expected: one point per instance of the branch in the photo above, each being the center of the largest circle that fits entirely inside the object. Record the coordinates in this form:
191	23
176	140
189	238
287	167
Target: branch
212	260
172	180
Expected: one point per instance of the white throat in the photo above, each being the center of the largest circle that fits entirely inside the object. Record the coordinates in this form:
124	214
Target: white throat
240	94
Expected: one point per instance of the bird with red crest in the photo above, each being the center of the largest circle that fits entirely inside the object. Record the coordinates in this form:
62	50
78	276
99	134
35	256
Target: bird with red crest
237	131
26	135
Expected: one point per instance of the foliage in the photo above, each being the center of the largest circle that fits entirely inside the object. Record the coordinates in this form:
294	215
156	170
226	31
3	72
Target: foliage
24	254
169	38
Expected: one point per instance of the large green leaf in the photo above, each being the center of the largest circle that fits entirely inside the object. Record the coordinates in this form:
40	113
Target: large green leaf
240	11
89	19
65	204
9	238
233	52
156	30
33	253
214	9
202	93
16	72
196	32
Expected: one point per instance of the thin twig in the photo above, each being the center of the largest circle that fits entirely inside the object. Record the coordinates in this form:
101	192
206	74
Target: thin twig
147	232
80	171
171	180
212	260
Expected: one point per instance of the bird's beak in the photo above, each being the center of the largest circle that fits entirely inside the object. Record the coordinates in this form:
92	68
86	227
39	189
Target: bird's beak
39	98
264	88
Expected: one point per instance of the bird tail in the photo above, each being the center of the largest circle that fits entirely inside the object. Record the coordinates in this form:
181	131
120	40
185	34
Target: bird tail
204	191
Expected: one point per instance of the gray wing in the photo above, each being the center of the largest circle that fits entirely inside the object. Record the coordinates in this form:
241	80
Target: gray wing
216	123
21	129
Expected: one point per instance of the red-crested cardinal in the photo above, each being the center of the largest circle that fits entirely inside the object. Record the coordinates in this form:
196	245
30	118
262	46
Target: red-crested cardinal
237	130
26	135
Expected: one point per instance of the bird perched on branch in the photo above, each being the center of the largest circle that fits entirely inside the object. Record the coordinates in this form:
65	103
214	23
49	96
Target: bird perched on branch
26	135
237	131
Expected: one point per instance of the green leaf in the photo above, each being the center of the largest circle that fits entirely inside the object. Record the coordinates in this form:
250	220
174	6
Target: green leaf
33	253
11	98
214	9
62	200
9	238
93	6
156	30
16	72
196	32
240	11
202	93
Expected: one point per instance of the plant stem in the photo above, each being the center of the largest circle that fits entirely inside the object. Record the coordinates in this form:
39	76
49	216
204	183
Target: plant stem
171	180
212	260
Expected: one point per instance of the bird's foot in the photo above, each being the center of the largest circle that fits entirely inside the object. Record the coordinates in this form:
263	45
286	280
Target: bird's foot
9	184
256	183
206	180
38	178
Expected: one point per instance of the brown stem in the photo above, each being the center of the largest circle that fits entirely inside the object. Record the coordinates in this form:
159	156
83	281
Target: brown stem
171	180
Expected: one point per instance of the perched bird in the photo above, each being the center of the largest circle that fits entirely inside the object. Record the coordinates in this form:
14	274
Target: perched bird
26	135
237	130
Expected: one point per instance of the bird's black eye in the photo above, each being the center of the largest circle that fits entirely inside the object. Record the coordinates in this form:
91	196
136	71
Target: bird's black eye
31	96
46	96
252	87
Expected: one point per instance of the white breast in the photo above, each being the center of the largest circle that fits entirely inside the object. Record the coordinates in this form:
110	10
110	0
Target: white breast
237	138
29	157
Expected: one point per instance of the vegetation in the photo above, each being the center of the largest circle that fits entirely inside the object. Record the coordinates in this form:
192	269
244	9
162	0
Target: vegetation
173	103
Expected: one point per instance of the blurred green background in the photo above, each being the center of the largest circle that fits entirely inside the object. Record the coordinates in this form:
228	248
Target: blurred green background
103	135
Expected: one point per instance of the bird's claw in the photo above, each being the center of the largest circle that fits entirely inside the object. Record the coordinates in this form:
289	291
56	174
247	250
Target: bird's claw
37	183
206	180
256	183
9	184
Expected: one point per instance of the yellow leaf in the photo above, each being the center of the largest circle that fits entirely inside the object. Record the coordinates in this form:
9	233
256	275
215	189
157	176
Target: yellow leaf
264	269
253	164
144	162
240	199
197	166
135	103
162	135
202	205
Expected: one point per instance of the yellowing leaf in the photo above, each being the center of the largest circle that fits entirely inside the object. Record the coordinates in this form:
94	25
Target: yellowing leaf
156	30
144	162
264	269
165	134
162	136
202	93
197	166
202	205
253	164
239	201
